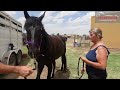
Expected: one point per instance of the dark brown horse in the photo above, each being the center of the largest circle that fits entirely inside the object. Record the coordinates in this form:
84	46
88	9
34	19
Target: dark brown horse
45	48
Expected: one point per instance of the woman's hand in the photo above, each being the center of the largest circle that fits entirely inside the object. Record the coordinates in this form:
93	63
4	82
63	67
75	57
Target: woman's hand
82	71
83	58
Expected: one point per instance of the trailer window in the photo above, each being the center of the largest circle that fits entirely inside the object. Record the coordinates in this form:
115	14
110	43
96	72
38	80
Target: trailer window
2	25
14	23
20	26
7	19
19	31
2	17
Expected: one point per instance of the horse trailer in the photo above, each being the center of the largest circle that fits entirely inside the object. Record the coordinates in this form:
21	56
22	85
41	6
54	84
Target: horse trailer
10	40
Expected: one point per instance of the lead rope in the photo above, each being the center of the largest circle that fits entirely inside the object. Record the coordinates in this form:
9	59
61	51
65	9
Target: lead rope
78	68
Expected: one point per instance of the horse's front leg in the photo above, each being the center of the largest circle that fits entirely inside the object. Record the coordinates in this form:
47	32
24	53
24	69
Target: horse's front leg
49	65
54	64
39	70
62	64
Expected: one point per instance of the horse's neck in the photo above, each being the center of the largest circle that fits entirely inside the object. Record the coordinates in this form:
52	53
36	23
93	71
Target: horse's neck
45	41
47	44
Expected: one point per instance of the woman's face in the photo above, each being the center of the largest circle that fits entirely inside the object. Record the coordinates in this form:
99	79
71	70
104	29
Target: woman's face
92	36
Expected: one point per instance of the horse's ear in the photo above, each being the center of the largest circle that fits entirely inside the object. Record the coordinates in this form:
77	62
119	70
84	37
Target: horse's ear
26	14
42	16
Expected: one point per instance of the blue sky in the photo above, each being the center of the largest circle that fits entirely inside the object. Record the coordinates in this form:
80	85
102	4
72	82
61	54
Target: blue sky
63	22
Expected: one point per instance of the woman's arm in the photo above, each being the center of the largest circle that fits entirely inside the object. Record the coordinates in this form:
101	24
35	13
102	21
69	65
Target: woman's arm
101	55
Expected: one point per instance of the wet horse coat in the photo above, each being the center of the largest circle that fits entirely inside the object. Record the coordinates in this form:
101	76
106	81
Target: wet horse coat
45	48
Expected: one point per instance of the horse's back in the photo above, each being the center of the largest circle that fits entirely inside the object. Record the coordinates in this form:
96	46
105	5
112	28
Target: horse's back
60	40
63	38
58	45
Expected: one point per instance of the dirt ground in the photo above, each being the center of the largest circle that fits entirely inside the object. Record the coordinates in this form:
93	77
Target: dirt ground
32	76
58	74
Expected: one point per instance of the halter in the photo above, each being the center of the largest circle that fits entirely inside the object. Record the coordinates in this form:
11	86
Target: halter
37	44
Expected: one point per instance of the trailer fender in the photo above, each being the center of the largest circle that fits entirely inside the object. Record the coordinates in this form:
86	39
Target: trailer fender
6	56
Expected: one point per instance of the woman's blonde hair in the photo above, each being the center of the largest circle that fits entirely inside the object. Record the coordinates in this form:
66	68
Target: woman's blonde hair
97	31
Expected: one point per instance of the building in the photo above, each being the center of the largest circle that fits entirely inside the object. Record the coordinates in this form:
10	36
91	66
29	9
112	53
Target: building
111	33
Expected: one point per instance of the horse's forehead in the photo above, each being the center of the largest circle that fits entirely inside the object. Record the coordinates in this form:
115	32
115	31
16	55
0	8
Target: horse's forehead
33	19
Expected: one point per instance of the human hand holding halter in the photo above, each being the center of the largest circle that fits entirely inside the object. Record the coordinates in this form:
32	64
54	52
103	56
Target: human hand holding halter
33	68
23	71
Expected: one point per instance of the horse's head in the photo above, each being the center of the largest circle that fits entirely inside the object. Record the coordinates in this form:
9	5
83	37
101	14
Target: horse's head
33	26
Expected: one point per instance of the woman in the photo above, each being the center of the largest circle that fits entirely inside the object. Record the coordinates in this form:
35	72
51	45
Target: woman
96	58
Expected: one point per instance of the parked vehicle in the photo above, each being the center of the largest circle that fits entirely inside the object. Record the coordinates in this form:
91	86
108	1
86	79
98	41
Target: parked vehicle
10	40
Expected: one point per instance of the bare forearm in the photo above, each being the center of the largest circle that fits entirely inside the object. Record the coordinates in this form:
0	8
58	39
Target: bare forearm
5	69
23	71
94	64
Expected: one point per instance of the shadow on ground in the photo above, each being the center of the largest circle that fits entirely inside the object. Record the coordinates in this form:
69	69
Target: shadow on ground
62	74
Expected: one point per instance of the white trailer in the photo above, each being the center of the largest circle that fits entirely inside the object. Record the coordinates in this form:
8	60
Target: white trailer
10	40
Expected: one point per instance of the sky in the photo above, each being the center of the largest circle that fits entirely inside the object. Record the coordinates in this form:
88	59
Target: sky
62	22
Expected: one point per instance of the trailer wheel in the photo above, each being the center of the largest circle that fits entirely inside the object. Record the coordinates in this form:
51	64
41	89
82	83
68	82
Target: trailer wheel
12	59
19	57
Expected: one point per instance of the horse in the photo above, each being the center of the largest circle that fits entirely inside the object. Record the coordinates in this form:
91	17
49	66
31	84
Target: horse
43	47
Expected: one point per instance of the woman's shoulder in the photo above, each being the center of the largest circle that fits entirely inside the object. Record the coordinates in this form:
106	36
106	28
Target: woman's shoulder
97	46
102	47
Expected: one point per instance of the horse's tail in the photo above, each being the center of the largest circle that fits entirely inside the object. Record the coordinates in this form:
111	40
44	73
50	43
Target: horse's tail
64	40
63	57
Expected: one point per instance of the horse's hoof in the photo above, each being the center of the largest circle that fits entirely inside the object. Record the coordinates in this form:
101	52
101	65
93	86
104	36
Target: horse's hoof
61	69
52	76
48	77
65	70
37	78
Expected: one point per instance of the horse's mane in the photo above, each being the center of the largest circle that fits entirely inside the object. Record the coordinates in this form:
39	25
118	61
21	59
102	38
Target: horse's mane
46	40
